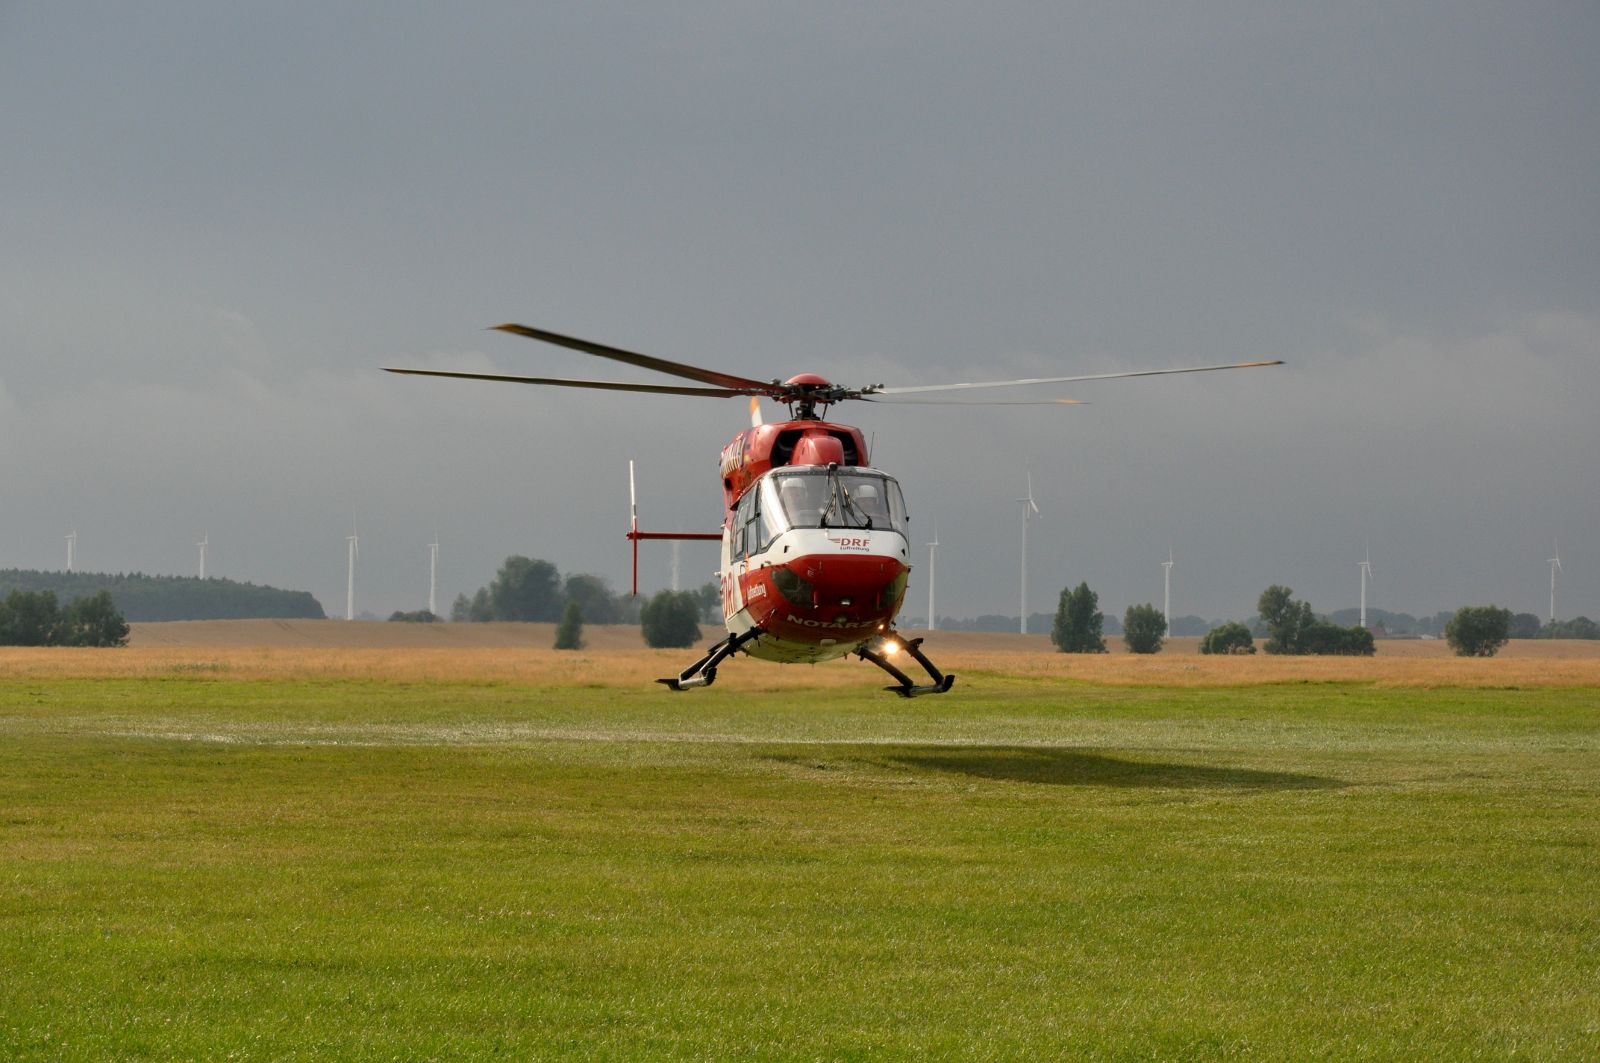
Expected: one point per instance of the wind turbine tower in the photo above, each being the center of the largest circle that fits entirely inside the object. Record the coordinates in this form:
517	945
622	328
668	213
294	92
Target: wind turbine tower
1030	509
72	561
1366	577
205	541
1166	591
1555	566
433	576
933	569
350	579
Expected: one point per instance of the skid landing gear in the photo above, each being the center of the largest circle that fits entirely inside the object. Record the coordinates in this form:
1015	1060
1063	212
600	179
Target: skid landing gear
873	651
703	672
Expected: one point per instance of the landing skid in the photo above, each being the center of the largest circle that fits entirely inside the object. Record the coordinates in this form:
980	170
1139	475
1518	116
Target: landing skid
703	672
906	688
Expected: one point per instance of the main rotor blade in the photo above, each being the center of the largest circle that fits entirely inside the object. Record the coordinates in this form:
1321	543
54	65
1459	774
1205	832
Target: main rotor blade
644	361
601	385
1062	379
972	402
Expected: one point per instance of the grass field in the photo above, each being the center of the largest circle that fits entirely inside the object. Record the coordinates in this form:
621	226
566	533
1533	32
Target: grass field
265	853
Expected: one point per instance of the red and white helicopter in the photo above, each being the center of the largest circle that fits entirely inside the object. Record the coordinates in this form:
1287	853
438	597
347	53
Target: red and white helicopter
815	547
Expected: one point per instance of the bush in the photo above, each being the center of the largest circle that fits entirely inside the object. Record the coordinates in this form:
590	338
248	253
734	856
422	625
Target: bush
1232	637
1142	629
671	620
1331	640
569	636
1478	630
419	616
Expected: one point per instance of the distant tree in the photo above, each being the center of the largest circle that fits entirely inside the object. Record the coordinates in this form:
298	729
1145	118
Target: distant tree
670	619
1285	619
419	616
1142	629
1294	629
1478	630
1078	622
461	609
1579	627
1433	625
594	598
709	595
1524	626
1232	637
93	621
526	589
30	618
481	611
569	635
1331	640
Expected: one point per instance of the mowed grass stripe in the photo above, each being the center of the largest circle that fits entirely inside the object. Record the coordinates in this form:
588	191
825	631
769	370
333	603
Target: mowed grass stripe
360	869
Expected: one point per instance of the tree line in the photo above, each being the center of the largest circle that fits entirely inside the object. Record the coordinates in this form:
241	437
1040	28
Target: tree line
532	590
139	597
1291	627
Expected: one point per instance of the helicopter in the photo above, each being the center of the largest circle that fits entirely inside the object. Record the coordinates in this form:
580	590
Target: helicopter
815	540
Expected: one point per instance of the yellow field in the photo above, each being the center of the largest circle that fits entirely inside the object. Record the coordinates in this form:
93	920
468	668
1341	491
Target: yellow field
617	656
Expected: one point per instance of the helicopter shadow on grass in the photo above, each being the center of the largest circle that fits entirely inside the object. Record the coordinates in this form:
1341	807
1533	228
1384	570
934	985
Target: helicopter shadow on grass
1069	766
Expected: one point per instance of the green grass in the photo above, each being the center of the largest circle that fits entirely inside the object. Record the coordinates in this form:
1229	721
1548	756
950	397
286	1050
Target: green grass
198	867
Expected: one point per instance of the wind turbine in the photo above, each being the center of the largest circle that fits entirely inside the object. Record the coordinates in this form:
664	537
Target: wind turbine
1166	591
433	575
350	581
1555	566
205	541
72	544
1367	577
933	558
1030	509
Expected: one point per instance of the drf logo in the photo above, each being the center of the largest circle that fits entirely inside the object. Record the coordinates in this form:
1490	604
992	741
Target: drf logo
861	543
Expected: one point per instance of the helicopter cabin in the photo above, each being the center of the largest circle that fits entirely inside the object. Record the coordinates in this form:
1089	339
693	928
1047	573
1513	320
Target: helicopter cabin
768	446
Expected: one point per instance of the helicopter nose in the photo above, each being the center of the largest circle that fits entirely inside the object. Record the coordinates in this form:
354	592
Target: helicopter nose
866	582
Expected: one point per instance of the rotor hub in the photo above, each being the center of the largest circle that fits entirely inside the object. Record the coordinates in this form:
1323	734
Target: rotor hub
805	392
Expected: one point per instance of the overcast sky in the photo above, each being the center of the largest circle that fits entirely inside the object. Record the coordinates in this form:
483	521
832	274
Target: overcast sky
217	221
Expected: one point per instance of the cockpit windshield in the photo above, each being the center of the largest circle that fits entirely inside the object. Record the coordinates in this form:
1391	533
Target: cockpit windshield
816	497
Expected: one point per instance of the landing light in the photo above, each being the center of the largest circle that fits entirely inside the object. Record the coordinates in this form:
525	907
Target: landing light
892	646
